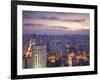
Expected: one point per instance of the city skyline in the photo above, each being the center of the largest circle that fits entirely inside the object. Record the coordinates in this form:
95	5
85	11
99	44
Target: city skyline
55	23
55	39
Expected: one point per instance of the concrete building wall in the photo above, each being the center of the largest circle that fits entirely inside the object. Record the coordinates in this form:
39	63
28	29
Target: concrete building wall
39	56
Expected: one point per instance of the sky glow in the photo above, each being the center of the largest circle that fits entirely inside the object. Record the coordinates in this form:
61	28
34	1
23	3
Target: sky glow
55	22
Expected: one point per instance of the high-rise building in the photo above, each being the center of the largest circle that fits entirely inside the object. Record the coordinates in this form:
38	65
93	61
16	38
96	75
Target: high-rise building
35	56
39	56
70	57
28	56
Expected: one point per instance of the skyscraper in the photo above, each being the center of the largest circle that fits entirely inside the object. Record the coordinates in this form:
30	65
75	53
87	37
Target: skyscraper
28	56
39	56
35	56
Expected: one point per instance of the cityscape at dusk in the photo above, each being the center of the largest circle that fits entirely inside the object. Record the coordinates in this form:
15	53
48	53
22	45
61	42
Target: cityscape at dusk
55	39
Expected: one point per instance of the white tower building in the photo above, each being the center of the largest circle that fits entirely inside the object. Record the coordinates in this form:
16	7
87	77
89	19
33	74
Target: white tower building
39	56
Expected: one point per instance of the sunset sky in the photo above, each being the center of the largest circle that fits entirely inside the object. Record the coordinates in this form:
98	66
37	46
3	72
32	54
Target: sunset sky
55	23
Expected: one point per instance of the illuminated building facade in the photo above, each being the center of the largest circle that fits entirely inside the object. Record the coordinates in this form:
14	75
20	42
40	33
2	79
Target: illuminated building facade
39	56
35	56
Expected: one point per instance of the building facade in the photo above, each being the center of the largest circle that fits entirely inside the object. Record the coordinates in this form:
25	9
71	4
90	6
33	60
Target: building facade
39	56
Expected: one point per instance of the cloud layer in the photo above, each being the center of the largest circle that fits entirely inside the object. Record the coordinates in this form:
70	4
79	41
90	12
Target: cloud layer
54	23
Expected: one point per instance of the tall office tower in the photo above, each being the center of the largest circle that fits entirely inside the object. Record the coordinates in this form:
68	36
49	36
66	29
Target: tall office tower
70	57
39	56
35	56
28	56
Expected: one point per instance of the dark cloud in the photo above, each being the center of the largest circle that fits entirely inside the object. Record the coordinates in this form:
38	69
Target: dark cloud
32	24
74	20
42	17
54	18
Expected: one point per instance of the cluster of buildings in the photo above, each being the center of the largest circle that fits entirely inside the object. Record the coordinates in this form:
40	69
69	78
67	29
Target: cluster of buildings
54	53
70	59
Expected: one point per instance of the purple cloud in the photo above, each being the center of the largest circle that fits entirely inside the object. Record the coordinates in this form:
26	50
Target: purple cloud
74	20
32	24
